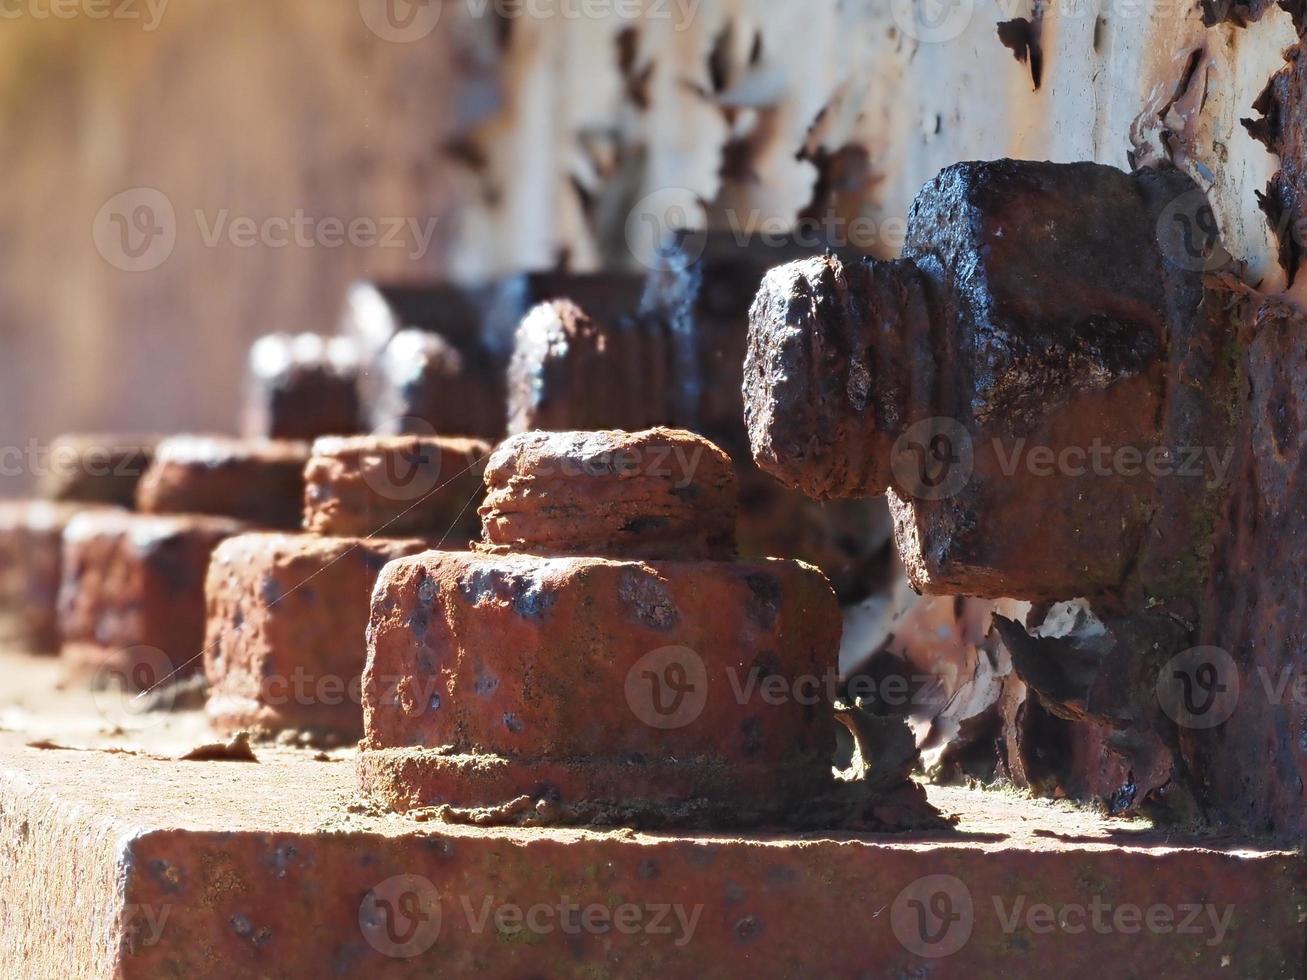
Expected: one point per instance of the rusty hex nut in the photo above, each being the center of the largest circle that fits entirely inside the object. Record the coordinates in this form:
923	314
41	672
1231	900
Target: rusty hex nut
656	493
31	562
1021	326
97	468
479	662
255	480
615	689
285	640
133	587
301	386
395	486
571	371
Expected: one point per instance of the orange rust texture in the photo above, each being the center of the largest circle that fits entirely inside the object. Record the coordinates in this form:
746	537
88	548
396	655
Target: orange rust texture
1255	763
661	493
31	563
528	659
219	869
285	643
133	589
256	480
394	486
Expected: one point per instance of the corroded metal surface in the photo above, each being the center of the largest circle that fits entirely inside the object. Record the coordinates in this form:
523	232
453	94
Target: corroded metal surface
679	361
1021	326
251	870
285	637
608	579
1250	743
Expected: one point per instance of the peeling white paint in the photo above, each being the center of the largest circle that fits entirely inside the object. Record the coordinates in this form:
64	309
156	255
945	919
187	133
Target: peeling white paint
915	106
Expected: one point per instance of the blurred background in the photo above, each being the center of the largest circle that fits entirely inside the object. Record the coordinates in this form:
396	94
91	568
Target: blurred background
182	177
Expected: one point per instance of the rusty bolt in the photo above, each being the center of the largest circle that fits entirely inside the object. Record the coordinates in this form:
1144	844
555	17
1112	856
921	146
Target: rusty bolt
301	386
602	656
680	362
571	371
1022	383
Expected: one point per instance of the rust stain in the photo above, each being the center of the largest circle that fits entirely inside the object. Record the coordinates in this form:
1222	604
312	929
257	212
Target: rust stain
636	76
1021	36
1241	13
1283	129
